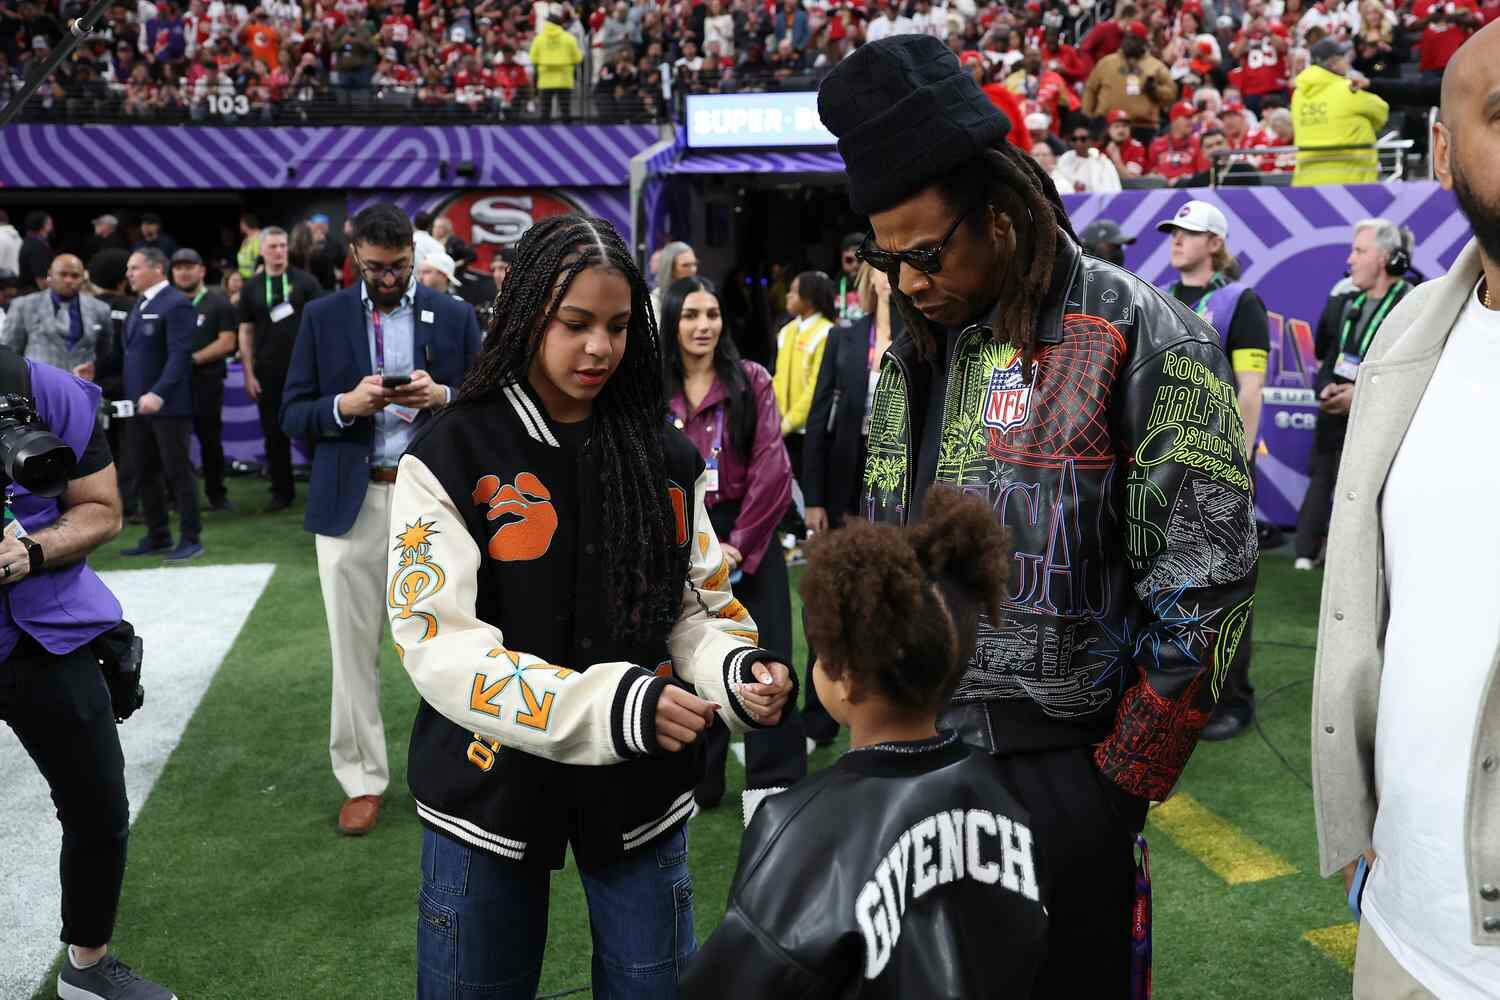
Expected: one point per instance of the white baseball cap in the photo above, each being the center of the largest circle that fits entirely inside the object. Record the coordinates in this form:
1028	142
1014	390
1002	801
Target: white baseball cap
440	261
1197	217
1038	121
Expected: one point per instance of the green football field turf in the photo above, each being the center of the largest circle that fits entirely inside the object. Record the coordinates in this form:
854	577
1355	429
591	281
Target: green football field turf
238	886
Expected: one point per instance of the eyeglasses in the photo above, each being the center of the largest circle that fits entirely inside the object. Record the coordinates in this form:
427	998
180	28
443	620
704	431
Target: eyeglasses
928	260
376	272
1080	138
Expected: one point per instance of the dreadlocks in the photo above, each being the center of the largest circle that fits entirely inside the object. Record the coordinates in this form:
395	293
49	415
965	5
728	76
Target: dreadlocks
1011	182
643	566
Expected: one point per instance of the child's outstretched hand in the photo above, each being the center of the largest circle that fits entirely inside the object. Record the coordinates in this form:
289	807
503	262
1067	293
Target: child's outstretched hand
680	717
765	700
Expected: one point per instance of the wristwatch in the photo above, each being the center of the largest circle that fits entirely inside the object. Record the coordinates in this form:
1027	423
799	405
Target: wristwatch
34	550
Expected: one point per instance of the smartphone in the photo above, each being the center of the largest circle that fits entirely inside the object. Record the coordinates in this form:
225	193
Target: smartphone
1357	886
395	381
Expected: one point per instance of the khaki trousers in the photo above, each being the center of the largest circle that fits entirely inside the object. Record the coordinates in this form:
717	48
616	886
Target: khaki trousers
351	570
1377	974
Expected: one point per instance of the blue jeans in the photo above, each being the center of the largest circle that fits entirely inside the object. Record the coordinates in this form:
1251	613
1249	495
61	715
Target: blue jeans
482	922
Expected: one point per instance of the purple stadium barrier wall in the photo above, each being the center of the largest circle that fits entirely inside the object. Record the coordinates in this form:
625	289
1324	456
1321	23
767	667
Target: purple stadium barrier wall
342	157
1291	244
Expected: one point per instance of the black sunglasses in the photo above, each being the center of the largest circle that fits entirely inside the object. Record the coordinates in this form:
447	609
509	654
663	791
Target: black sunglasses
1080	138
375	272
928	261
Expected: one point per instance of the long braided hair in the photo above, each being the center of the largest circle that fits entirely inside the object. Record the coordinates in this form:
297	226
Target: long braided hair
643	566
1010	181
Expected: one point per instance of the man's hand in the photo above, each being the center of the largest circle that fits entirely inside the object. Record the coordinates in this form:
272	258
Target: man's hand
680	717
817	519
148	404
1336	399
764	701
732	555
366	398
1349	869
421	393
84	371
252	387
15	561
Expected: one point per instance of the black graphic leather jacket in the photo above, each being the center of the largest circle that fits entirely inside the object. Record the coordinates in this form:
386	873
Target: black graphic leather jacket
1120	471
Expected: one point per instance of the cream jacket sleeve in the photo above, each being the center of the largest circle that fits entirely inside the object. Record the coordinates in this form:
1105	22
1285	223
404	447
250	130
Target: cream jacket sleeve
463	667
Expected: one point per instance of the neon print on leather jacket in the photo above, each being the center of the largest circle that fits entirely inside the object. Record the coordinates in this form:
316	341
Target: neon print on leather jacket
1120	471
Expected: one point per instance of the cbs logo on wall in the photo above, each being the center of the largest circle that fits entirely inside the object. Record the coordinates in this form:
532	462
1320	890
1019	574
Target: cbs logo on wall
1296	420
488	220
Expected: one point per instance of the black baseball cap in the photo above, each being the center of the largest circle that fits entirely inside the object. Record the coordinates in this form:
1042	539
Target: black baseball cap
150	218
187	255
1104	231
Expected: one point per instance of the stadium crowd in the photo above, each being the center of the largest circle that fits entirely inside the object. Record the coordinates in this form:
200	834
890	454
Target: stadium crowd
1066	73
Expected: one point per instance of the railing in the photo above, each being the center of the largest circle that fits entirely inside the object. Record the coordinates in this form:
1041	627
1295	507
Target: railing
336	106
1390	156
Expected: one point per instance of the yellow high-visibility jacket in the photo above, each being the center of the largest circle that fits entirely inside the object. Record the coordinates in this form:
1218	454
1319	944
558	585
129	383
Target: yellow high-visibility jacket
799	355
1327	111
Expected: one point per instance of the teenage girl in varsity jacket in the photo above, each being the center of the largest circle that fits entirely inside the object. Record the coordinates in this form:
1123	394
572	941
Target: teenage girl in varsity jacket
559	598
907	869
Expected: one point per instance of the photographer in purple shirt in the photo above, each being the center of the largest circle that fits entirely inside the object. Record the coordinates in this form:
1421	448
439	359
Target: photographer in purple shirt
53	694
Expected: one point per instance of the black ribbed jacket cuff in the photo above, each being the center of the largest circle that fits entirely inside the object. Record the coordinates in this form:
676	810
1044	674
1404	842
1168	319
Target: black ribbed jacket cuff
633	714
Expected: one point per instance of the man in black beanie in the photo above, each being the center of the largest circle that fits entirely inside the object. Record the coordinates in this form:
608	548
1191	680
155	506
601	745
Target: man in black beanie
1098	417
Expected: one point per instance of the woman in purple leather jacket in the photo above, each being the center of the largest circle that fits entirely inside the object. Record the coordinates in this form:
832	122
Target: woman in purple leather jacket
726	406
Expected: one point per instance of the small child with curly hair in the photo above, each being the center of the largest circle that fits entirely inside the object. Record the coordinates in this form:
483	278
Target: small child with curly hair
907	868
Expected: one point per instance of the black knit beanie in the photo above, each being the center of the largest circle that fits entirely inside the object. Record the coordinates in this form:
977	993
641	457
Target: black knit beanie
905	114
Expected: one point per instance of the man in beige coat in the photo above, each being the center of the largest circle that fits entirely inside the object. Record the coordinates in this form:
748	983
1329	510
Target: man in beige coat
1406	703
1131	80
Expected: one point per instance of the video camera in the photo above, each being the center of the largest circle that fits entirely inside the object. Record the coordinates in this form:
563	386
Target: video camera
30	455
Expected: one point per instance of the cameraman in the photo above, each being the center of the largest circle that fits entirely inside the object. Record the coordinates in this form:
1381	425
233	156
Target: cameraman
52	692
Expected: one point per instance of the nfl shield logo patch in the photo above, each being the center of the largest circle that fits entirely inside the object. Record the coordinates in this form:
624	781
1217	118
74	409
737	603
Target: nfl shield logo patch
1008	400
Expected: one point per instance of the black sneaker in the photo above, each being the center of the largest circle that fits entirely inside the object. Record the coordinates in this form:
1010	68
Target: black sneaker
221	506
1228	723
107	979
149	546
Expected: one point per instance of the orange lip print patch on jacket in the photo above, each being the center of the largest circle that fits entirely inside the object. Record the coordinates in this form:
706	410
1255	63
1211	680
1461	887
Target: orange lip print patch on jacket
525	513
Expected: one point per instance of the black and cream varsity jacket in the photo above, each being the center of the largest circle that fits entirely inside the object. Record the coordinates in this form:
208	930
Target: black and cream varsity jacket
537	725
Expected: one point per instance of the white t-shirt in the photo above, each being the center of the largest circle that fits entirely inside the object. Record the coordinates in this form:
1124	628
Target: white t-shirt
1442	546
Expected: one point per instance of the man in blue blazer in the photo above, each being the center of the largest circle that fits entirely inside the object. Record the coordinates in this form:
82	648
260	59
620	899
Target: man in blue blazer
370	365
158	342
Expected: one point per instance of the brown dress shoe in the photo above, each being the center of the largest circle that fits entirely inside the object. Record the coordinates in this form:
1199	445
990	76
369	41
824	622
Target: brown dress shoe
358	815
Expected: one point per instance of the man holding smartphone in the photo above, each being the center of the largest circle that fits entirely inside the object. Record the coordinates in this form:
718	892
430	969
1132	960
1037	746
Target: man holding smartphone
370	365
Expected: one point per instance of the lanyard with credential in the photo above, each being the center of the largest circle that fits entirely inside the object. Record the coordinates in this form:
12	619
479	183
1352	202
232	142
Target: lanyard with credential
199	297
379	339
711	462
1375	321
286	296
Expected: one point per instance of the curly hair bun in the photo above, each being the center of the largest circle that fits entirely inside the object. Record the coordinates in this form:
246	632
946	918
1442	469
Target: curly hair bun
898	608
958	542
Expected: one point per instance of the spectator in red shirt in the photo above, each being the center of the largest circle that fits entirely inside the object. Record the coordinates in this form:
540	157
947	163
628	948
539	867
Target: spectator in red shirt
1444	26
1261	49
1177	153
510	77
401	26
1235	125
1063	59
1128	156
1105	37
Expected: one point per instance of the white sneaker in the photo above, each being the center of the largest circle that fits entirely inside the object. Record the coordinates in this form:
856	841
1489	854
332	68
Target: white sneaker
1303	564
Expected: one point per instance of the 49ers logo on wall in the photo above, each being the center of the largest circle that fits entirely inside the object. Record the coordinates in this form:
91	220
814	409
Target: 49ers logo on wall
487	220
